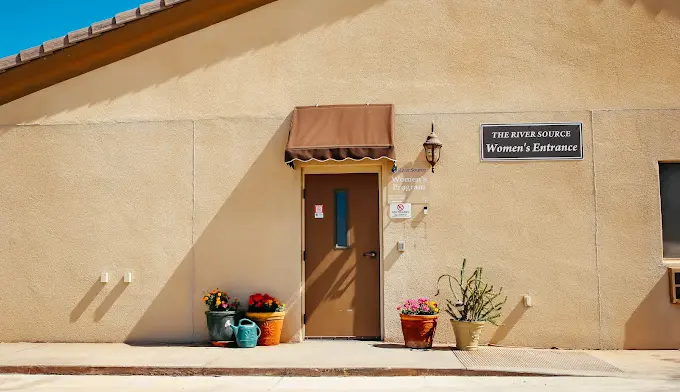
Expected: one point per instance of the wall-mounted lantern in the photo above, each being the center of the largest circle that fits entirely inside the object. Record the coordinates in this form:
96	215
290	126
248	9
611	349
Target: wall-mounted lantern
432	148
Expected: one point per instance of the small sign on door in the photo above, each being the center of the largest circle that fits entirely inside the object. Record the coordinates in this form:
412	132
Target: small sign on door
400	210
318	211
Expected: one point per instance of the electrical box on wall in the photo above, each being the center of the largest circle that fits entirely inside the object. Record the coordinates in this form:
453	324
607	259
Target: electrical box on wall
674	275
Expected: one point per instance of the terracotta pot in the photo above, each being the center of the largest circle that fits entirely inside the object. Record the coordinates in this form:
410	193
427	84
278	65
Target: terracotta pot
467	334
271	324
418	330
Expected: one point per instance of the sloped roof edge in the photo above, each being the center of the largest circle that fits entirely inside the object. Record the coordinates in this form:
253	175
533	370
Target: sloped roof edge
104	42
97	28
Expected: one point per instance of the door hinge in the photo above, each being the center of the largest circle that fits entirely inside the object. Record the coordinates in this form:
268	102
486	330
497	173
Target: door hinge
304	193
304	255
304	318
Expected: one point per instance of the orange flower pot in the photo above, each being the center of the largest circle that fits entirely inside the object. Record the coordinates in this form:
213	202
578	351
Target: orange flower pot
418	330
271	324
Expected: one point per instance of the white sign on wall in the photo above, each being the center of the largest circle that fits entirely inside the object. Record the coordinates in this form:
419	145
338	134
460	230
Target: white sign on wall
409	182
400	210
318	211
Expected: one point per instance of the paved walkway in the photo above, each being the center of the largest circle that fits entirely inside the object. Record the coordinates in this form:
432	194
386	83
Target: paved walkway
329	358
42	383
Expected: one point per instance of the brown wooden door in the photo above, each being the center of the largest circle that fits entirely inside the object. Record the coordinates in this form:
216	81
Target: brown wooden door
342	261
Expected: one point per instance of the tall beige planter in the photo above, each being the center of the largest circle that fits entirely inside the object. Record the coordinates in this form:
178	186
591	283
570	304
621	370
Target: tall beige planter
467	334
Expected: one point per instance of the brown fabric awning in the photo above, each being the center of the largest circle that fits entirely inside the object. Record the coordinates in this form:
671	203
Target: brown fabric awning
340	132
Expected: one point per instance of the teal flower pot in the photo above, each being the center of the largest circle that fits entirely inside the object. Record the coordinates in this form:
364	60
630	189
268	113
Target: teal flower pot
219	325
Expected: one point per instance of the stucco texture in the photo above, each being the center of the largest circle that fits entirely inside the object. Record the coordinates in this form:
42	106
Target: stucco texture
79	200
636	310
169	165
438	56
247	226
531	225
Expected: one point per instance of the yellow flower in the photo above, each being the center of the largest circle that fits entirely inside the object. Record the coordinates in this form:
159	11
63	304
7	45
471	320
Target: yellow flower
218	294
218	302
205	299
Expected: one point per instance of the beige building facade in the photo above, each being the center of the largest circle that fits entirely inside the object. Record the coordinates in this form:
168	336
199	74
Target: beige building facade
169	164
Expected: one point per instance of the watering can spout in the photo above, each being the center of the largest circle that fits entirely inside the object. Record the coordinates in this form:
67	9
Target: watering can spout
235	328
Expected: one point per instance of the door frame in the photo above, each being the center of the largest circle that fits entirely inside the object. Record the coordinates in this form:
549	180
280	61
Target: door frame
344	168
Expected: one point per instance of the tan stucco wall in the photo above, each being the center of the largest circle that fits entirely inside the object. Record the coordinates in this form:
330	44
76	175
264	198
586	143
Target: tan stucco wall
530	224
169	164
440	56
636	311
79	200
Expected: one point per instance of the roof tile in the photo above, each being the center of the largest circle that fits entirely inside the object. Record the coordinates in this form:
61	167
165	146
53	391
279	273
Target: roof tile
30	53
127	16
87	32
78	35
9	61
55	44
103	25
150	7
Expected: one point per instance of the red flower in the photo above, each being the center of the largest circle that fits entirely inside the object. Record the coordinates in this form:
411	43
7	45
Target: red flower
262	302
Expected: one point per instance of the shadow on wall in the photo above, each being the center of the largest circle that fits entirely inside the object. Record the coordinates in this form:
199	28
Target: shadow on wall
108	302
87	299
279	22
391	257
166	319
655	7
509	323
654	324
245	248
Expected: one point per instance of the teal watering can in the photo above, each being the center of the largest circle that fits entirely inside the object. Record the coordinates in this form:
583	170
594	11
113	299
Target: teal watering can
246	335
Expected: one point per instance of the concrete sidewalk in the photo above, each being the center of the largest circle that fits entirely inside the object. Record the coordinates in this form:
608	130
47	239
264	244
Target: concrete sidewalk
329	358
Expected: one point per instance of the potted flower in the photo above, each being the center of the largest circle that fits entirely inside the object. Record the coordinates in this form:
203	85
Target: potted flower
221	314
474	303
418	322
268	313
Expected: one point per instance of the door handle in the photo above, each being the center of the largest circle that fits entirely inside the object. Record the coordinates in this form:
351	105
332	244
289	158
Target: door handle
371	254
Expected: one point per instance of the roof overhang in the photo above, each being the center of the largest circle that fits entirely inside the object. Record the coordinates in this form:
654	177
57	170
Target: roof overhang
111	40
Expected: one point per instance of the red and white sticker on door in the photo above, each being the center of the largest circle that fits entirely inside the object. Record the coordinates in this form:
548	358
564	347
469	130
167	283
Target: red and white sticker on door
318	211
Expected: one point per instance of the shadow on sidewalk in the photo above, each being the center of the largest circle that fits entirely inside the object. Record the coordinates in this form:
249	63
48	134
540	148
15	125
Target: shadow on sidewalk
402	347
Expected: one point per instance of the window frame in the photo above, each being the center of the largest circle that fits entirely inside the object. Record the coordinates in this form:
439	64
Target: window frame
675	258
335	219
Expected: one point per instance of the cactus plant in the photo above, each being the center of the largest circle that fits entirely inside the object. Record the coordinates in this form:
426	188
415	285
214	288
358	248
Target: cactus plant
476	300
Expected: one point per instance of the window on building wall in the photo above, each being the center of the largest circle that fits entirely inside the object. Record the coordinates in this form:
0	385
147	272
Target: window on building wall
669	177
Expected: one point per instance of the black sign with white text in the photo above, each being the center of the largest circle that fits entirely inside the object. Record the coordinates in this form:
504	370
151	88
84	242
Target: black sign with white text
531	141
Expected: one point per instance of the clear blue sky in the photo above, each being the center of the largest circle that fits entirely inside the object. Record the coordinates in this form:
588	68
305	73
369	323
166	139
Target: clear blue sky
24	24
